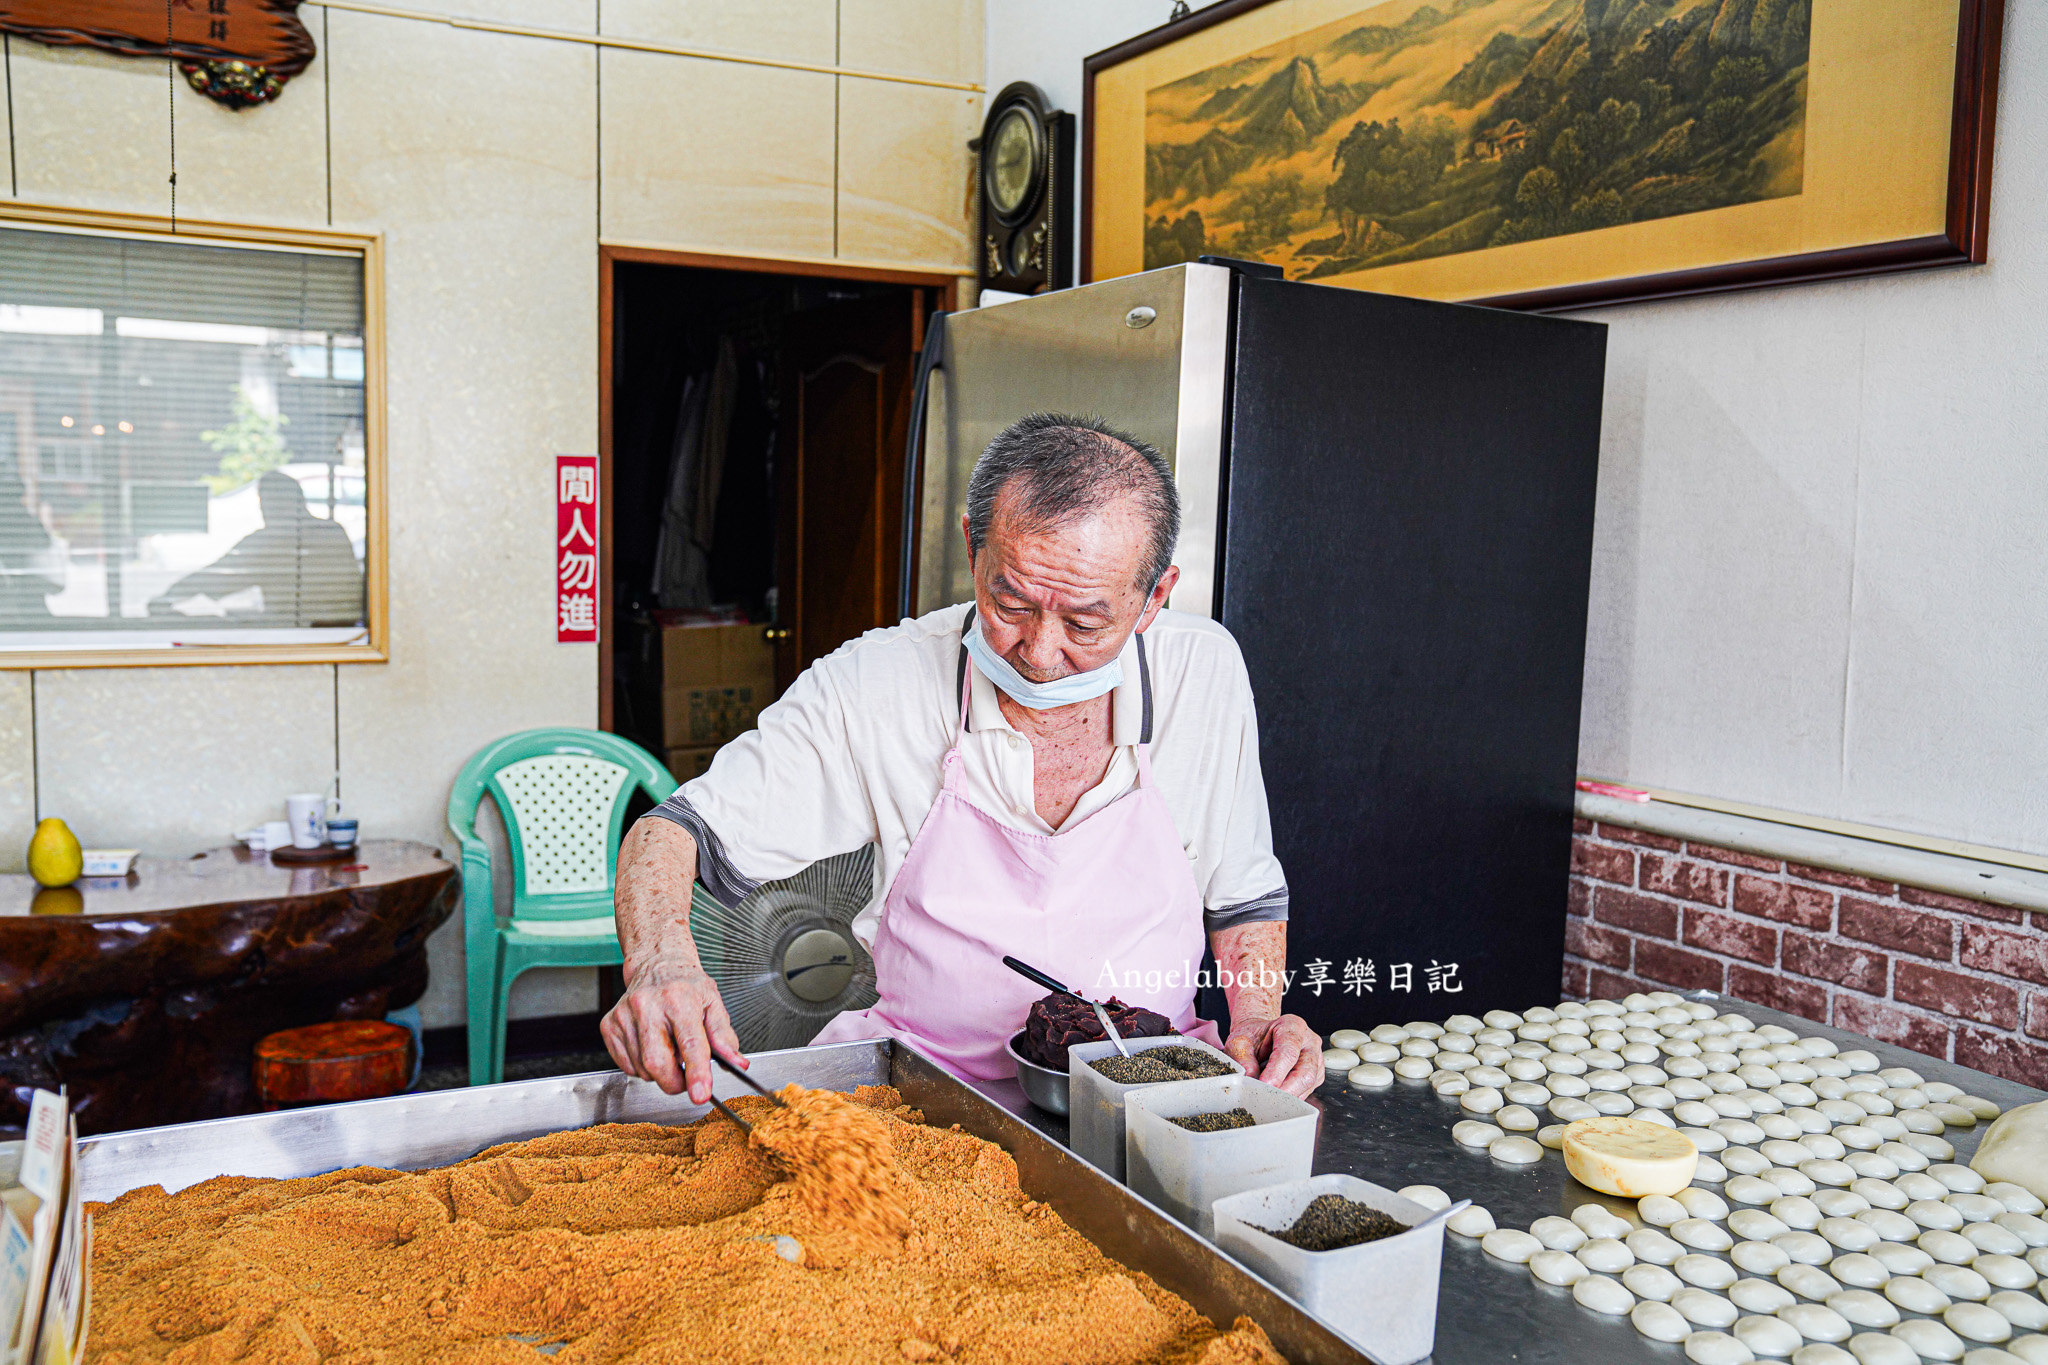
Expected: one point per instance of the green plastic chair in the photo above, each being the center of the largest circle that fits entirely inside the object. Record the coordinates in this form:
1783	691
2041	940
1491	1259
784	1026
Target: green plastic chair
562	794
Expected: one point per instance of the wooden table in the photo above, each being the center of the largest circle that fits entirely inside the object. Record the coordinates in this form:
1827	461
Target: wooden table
145	995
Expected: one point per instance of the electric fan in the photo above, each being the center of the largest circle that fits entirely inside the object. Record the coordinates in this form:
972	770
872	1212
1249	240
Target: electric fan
785	958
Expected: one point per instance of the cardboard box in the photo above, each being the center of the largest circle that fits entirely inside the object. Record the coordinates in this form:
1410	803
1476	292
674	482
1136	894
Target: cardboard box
692	717
714	682
688	763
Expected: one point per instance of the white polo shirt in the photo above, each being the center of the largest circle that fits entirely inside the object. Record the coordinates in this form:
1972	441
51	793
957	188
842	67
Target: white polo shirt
852	754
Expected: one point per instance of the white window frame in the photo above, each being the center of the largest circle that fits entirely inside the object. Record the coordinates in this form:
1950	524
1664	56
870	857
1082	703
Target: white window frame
369	249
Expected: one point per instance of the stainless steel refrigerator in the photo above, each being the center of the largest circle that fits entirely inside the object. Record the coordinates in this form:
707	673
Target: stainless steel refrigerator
1389	502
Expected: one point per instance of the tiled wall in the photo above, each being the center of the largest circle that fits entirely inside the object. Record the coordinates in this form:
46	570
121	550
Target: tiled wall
1959	979
492	164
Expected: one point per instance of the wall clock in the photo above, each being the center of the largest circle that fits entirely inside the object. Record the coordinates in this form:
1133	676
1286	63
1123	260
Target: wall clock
1027	171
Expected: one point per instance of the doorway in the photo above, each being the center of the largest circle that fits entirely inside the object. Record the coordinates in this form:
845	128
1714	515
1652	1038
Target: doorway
751	475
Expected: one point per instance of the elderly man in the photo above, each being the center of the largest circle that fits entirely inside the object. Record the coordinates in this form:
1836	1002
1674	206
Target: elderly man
1064	772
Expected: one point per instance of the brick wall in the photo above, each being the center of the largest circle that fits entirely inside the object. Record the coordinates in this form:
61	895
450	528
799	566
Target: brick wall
1959	979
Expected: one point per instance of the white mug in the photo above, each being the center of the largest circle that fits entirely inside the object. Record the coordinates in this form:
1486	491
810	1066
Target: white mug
308	814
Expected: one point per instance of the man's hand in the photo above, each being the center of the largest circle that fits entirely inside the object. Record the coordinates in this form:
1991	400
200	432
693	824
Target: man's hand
666	1026
670	1020
1284	1052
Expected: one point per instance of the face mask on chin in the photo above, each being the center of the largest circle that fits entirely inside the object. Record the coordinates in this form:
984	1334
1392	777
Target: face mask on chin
1039	696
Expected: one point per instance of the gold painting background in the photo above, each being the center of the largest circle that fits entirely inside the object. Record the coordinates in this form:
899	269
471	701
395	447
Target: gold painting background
1879	85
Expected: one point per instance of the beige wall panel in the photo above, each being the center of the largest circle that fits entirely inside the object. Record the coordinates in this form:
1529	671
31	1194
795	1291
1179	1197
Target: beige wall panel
792	30
17	769
903	171
262	165
91	130
175	760
715	154
570	16
938	38
486	195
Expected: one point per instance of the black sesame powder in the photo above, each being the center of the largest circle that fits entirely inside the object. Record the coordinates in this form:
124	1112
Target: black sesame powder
1331	1222
1161	1064
1214	1123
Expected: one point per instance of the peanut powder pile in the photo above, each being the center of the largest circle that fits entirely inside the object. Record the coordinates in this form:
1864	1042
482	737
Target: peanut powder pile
643	1243
841	1163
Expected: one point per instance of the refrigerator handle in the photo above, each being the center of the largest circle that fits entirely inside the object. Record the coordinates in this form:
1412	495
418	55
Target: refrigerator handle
929	359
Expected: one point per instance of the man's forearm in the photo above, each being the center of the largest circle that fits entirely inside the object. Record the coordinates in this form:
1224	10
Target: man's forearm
657	867
1252	961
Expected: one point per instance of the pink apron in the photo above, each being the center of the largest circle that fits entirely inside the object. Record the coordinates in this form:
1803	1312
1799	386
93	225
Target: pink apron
1108	906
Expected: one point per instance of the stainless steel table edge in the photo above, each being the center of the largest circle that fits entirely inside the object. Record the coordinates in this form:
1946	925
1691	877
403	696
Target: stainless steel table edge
437	1128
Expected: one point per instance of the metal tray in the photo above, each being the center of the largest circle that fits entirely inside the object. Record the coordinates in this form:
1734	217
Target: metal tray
412	1132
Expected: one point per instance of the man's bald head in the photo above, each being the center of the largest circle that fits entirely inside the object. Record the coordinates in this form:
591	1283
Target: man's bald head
1051	471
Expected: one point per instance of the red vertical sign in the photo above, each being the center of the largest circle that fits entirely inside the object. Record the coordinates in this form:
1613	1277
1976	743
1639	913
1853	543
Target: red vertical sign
575	549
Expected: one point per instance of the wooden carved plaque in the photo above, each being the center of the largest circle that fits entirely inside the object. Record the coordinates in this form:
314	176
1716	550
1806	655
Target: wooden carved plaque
240	52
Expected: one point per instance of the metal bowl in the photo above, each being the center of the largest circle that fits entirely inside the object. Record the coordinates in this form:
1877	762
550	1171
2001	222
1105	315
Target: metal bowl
1043	1086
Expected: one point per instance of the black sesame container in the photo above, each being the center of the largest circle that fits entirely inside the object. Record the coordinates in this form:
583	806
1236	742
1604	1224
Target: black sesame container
1379	1295
1186	1171
1095	1103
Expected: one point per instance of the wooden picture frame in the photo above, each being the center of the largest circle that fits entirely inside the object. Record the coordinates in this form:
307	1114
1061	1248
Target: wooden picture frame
1571	274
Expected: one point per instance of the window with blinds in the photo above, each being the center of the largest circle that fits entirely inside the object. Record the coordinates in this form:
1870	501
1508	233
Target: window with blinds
184	458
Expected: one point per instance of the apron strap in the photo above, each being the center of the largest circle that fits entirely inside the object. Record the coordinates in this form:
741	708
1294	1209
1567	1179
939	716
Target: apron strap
951	765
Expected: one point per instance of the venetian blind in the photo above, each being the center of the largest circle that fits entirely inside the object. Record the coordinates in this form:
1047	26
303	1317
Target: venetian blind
182	443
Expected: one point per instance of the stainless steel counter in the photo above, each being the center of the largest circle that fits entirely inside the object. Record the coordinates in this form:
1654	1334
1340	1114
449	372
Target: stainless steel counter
1490	1311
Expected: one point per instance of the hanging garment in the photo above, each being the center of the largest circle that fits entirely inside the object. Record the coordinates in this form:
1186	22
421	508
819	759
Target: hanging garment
678	580
682	571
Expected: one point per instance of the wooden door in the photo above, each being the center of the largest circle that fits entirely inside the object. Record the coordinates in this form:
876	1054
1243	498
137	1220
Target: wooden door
847	377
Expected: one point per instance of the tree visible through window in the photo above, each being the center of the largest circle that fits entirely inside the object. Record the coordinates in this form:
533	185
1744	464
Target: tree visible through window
183	455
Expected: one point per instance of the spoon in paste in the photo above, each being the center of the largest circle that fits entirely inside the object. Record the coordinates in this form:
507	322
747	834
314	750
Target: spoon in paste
1031	973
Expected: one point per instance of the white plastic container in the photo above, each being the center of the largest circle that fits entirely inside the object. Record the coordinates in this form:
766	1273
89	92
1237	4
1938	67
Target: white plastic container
1095	1103
1380	1296
1186	1172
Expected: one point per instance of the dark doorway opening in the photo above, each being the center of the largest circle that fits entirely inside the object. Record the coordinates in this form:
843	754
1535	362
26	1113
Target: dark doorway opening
752	472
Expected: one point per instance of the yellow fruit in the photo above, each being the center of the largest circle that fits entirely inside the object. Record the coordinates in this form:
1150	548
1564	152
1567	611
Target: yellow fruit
54	857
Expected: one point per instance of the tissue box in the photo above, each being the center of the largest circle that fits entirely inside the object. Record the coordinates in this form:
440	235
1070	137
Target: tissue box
109	862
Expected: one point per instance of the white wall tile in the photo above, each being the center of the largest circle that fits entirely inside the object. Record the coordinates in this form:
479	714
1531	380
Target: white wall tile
17	769
903	172
569	16
791	30
1947	727
175	760
93	130
937	38
1724	537
265	165
488	207
715	154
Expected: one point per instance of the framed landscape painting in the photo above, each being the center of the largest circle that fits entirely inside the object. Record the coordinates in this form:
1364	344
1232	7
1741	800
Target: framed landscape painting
1546	154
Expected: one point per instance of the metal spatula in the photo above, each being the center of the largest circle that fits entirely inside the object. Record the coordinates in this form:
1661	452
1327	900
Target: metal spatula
1031	973
751	1084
